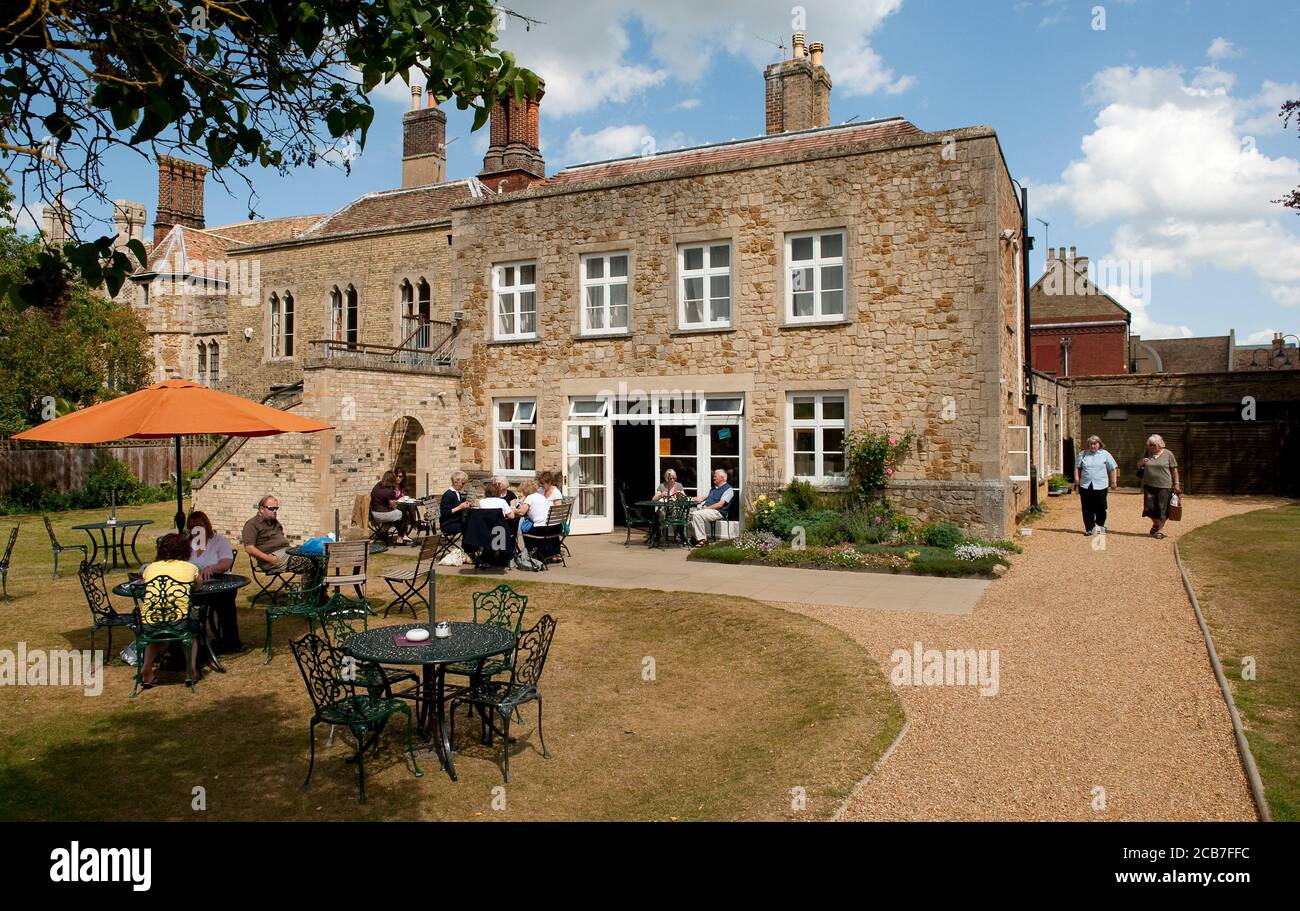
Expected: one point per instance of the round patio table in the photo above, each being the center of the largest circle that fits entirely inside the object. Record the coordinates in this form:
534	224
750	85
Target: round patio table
658	533
117	548
202	598
468	642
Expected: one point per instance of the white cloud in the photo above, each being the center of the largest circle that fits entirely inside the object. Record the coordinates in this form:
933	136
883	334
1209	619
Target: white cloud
584	52
1143	324
1222	49
617	142
1168	163
1262	337
688	104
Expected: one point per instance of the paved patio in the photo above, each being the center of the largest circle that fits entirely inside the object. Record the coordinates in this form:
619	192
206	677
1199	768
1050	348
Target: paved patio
602	560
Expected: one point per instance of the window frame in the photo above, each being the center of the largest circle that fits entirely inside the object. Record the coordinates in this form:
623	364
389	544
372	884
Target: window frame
1011	453
606	282
706	273
817	423
518	289
515	425
817	263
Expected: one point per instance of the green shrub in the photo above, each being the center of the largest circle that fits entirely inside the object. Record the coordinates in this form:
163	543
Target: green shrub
801	496
942	534
871	459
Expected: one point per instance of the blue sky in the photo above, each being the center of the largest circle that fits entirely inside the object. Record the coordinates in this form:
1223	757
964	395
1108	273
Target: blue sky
1153	140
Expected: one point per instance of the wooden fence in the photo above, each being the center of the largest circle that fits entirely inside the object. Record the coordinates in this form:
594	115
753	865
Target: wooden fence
66	468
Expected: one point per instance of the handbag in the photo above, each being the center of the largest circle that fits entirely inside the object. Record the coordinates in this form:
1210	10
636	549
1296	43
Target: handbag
1175	508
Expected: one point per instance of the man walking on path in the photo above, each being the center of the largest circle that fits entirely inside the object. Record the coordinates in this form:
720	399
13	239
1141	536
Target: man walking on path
1095	471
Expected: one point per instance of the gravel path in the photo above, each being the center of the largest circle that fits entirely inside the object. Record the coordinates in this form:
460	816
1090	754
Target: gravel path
1103	682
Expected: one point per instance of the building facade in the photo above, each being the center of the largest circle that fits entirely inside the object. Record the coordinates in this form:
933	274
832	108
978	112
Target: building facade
741	306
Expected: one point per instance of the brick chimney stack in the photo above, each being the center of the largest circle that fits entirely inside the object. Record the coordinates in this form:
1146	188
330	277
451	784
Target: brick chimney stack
180	195
798	90
514	156
56	223
424	142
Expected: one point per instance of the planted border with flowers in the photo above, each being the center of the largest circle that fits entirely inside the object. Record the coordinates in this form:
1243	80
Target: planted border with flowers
857	529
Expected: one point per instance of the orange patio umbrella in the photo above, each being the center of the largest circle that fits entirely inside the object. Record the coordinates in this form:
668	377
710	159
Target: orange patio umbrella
174	408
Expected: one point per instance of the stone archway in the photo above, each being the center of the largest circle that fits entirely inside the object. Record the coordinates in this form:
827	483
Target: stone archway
408	450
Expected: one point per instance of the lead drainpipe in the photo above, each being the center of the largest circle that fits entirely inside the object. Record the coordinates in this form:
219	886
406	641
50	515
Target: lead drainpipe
1031	398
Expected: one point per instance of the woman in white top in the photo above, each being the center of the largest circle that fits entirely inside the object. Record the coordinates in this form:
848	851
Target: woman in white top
492	499
538	506
212	554
547	484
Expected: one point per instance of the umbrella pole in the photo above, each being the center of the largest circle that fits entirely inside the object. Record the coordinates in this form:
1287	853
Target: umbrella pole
180	491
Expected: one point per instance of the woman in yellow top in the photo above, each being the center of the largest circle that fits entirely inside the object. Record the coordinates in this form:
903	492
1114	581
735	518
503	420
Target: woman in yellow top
172	560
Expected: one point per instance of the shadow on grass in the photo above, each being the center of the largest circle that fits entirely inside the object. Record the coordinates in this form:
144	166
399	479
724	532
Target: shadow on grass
141	762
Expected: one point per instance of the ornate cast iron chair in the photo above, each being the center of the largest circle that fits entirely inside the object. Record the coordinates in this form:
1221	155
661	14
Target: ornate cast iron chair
60	548
503	607
677	519
102	613
298	601
635	516
163	615
4	563
504	698
337	702
411	582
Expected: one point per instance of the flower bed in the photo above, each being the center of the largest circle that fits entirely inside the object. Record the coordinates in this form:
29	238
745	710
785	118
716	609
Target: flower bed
759	549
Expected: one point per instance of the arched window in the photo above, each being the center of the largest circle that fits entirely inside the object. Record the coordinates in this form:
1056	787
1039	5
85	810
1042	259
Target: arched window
351	316
423	311
202	375
336	314
214	363
274	337
286	330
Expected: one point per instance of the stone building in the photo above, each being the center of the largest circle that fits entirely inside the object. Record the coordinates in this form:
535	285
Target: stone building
739	305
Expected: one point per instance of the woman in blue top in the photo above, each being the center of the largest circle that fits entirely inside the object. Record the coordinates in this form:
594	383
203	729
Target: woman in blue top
1095	471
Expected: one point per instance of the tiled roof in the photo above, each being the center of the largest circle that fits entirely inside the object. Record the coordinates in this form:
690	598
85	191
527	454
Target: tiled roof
1207	354
782	144
266	230
394	209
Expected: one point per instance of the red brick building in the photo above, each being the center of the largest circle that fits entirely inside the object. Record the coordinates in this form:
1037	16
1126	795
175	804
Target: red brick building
1076	328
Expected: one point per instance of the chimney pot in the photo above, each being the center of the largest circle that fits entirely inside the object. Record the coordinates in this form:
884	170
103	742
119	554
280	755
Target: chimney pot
415	97
1051	254
798	45
1072	254
816	49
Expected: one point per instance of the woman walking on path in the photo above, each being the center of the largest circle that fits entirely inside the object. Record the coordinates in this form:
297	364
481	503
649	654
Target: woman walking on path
1095	471
1159	473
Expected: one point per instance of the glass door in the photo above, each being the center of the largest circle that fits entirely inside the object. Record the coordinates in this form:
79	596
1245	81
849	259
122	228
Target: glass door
589	470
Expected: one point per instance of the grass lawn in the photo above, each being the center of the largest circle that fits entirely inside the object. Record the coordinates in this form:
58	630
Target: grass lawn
1244	571
748	703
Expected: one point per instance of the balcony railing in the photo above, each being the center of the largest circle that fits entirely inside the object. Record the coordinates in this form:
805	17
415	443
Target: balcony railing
428	349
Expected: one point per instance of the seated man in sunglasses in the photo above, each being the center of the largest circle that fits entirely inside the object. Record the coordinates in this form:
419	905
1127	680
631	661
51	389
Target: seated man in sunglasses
263	536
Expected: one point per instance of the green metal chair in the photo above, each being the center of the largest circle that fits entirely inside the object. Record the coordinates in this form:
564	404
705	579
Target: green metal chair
163	615
102	613
60	548
339	621
270	585
677	519
295	601
4	563
635	516
503	607
336	701
504	698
